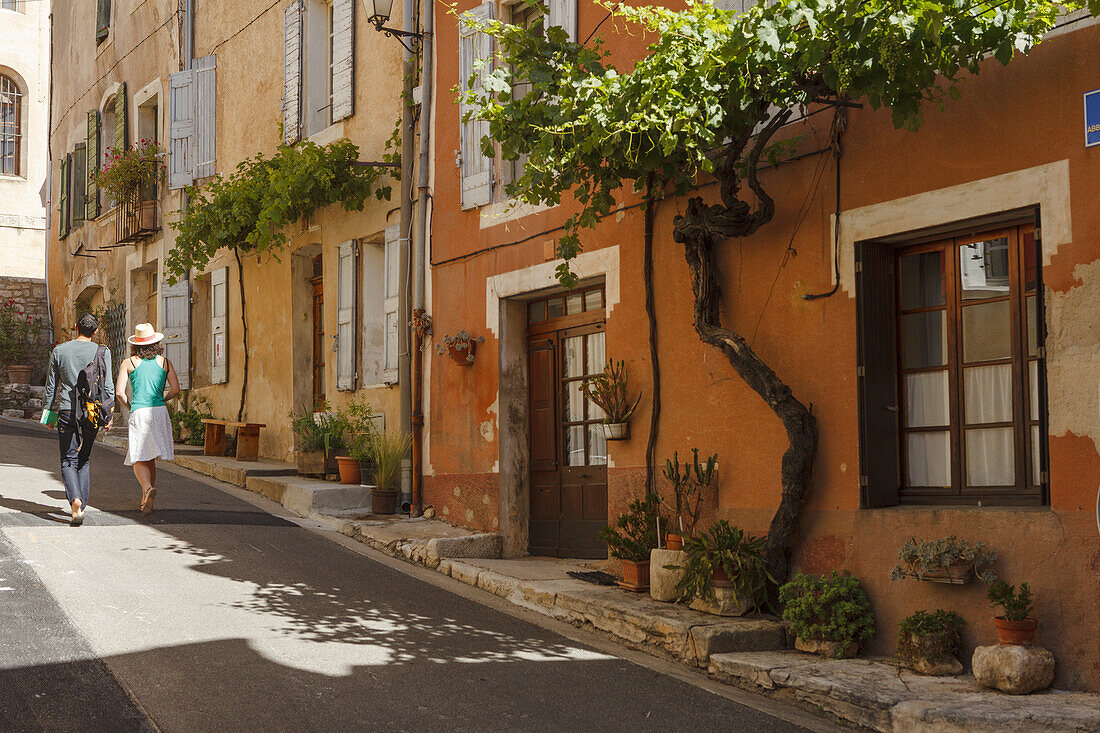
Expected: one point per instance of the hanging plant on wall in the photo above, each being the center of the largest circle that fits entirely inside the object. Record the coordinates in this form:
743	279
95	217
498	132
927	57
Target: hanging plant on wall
461	347
129	170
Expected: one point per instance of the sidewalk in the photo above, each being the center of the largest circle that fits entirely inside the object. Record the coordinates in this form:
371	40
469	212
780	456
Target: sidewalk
750	653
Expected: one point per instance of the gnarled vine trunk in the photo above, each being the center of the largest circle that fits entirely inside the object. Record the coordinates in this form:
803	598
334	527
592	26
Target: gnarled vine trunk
702	229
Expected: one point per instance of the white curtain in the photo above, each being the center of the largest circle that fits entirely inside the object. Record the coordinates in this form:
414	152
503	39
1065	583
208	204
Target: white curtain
929	459
926	399
990	457
988	392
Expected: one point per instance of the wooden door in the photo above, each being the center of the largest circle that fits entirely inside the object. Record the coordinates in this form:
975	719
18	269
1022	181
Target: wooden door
568	448
318	334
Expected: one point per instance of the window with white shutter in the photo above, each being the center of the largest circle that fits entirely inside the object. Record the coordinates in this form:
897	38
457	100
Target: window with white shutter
205	114
219	332
563	13
343	59
181	129
392	304
292	72
345	316
176	324
476	167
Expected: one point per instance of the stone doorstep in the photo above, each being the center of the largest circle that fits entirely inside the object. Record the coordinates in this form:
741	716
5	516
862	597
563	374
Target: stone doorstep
232	471
307	497
879	695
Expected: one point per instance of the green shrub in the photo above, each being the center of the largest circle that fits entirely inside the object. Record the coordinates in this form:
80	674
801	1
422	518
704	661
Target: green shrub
1016	605
187	413
829	607
729	549
322	430
931	636
637	531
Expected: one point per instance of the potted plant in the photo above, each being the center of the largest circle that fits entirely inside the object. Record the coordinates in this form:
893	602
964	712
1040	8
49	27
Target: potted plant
725	557
131	175
362	429
1014	626
828	614
947	560
634	535
461	347
21	341
608	391
688	488
930	643
318	436
386	452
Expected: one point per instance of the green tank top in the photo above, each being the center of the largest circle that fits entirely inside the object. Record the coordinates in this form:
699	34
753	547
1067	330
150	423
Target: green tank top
147	384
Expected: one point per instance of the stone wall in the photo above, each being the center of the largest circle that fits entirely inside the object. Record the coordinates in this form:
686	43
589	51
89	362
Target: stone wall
21	400
31	294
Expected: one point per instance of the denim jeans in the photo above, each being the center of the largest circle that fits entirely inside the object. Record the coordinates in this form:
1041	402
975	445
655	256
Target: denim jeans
75	441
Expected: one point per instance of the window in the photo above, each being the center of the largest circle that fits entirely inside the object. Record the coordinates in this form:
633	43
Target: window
318	65
102	20
969	367
11	110
531	18
9	5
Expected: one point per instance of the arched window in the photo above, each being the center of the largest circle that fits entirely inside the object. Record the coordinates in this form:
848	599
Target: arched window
10	129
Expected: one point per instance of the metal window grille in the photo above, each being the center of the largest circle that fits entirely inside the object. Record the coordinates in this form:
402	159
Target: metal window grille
116	334
10	130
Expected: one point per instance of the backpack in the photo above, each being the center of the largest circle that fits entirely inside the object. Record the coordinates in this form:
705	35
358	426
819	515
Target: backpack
91	384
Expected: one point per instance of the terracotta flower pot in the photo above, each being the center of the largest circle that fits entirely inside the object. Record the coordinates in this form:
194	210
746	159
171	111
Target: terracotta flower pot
349	470
383	501
674	541
1018	633
635	576
616	430
19	373
463	352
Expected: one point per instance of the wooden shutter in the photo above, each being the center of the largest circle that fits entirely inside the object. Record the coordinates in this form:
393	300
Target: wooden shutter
205	114
345	317
121	128
292	72
63	207
76	187
91	191
181	129
176	324
476	168
219	333
343	59
877	380
102	20
391	306
564	13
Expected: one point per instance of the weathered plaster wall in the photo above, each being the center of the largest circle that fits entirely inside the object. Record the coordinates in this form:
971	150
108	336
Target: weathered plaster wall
812	345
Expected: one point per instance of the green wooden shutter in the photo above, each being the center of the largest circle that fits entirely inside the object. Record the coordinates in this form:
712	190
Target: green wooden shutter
63	206
877	377
121	140
91	191
76	188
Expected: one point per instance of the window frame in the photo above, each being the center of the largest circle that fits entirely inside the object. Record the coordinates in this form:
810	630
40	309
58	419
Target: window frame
1026	490
15	136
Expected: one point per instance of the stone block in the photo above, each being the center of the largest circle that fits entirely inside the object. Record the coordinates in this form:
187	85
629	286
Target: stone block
944	667
32	404
827	649
38	392
12	413
726	603
662	579
486	545
466	573
741	635
1014	669
33	415
495	583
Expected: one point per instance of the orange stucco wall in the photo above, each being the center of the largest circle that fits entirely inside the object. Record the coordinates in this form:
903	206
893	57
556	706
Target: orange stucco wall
1009	119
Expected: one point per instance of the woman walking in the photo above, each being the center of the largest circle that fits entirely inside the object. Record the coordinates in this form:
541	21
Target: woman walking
147	372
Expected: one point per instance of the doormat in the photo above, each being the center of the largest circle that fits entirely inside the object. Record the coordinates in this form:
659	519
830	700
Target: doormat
598	577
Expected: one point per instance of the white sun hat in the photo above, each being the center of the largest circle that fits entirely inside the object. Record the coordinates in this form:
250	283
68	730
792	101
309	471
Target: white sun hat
145	335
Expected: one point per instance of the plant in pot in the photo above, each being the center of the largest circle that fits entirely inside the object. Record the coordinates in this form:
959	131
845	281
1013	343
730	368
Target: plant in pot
21	340
631	539
828	614
362	429
318	436
386	451
607	390
930	643
131	175
725	557
1014	625
461	347
947	560
688	488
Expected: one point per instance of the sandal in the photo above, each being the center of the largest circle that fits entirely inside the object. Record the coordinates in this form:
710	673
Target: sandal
147	500
78	515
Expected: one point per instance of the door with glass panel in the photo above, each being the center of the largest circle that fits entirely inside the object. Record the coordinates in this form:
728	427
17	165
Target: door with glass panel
568	450
971	366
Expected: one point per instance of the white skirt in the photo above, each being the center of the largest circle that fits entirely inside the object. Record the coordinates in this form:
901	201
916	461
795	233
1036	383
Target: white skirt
150	435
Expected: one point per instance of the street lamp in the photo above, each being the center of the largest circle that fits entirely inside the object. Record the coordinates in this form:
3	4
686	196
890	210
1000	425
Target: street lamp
378	13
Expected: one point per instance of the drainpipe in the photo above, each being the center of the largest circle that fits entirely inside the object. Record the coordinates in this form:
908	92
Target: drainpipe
49	184
404	370
421	323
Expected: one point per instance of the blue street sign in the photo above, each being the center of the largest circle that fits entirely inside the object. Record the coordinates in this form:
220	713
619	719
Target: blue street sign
1092	119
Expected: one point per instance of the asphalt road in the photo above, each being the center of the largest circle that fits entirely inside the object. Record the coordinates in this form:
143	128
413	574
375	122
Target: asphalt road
214	615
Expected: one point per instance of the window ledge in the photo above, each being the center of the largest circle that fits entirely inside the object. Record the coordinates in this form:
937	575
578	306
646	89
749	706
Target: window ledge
330	134
502	212
13	179
959	507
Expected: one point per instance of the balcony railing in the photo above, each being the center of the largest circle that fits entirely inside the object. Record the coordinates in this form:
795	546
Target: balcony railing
138	217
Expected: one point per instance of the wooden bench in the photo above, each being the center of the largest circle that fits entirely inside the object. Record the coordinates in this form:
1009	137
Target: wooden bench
248	438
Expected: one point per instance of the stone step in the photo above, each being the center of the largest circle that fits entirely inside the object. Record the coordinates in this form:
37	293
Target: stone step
233	471
310	496
878	694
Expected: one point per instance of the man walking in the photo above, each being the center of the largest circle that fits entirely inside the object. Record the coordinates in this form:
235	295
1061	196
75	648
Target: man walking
75	436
